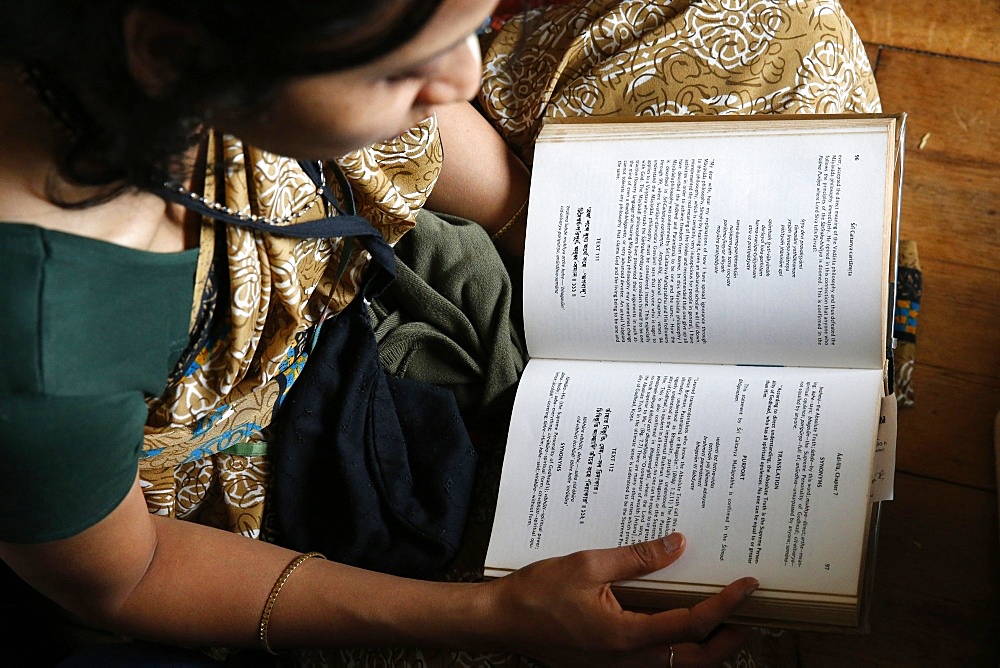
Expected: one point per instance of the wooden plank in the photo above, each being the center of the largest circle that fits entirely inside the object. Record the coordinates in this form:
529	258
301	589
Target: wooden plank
872	51
951	202
936	585
952	210
948	434
970	29
956	327
950	99
951	207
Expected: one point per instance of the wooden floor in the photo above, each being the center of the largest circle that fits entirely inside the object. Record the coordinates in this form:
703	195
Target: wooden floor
937	590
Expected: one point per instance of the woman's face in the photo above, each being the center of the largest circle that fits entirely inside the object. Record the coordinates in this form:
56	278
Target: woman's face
328	115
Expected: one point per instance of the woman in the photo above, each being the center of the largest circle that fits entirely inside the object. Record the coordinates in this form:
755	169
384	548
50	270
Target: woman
102	108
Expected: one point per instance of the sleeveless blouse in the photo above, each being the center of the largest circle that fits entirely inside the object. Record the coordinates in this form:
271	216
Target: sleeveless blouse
91	330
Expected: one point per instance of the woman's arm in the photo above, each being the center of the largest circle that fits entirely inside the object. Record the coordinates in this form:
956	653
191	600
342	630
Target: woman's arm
182	583
481	179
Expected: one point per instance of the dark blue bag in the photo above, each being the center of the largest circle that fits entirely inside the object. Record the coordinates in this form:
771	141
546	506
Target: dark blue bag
371	470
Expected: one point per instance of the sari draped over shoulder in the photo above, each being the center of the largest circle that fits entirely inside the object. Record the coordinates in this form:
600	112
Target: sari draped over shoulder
257	299
674	57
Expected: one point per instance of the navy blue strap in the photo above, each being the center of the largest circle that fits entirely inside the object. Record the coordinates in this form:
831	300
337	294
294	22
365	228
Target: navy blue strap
346	224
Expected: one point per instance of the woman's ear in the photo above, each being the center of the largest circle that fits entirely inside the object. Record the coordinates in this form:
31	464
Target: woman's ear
156	47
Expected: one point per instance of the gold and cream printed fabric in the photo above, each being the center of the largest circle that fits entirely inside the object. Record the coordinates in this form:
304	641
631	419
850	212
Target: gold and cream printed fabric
674	57
257	298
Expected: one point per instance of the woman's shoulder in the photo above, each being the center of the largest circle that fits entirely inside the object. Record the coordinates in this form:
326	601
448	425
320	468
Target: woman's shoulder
85	316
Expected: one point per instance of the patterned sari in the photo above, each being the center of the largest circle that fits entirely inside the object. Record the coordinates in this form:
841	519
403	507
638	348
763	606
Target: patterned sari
206	437
258	296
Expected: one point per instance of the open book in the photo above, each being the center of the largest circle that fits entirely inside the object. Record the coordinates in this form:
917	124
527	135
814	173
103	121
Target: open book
706	309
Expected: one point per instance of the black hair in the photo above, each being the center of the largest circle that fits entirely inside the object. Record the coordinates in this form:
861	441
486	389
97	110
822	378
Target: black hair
74	54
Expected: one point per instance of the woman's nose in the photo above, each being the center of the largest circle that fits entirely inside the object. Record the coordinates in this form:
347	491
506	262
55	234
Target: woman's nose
458	77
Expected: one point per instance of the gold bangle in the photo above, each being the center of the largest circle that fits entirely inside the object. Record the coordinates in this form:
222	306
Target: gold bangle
265	615
499	233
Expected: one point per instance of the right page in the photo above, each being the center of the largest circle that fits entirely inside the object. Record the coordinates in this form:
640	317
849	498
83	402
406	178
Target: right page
740	241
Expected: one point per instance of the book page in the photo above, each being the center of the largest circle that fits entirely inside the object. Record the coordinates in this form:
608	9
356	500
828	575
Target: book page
764	245
765	470
884	466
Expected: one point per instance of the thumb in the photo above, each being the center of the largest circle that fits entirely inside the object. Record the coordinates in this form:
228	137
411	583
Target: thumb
631	561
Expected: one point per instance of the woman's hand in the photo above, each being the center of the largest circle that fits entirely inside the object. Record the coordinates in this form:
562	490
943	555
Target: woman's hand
561	611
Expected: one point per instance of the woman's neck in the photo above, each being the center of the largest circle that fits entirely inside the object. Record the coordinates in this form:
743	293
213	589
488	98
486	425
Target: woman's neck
31	183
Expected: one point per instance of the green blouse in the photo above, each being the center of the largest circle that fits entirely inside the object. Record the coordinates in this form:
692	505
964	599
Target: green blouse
90	330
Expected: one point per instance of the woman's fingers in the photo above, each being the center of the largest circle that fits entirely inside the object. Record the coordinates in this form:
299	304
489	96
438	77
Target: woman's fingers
701	639
698	621
713	644
701	624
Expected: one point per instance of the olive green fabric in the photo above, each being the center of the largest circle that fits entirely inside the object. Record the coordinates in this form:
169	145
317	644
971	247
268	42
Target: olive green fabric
447	317
90	330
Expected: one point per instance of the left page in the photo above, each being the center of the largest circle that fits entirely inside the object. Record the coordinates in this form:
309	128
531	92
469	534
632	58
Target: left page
765	470
750	241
